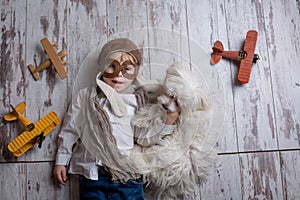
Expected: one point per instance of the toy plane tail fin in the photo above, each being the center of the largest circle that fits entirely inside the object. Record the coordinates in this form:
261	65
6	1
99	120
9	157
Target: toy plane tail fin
13	115
17	113
217	52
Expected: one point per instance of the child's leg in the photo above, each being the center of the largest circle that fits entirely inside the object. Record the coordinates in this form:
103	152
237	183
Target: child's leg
104	188
131	190
90	189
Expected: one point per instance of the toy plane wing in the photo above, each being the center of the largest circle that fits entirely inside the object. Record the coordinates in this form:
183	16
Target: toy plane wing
27	139
246	63
56	61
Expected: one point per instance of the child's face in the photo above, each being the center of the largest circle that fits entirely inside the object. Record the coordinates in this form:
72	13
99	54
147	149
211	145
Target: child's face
118	83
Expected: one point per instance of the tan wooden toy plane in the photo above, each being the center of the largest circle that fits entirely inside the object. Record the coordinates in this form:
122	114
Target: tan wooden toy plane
34	133
54	58
246	56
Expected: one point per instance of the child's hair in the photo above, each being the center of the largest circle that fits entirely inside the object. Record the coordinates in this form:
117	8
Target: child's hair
120	45
127	56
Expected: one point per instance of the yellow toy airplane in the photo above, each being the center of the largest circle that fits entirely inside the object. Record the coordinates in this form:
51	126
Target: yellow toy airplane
34	133
54	58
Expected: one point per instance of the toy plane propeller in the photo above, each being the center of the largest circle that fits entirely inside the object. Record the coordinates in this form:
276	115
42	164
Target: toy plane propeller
245	56
34	133
54	58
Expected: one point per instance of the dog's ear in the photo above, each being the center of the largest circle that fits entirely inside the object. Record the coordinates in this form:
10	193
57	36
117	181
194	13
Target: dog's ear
203	102
186	88
153	90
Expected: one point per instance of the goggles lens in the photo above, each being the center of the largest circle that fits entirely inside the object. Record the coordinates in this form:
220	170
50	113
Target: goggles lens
113	69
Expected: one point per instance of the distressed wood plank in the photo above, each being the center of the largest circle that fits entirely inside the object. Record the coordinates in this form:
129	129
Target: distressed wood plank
283	41
125	17
290	174
261	177
13	181
205	27
168	41
41	183
225	183
87	28
253	102
45	19
118	15
128	19
12	77
168	37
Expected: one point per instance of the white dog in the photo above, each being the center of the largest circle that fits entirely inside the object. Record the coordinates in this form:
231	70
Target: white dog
175	166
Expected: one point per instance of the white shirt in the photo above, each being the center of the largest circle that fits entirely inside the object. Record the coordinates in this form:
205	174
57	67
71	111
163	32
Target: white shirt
121	126
73	153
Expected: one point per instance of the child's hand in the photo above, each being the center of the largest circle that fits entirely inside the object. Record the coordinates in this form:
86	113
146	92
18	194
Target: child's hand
60	173
171	117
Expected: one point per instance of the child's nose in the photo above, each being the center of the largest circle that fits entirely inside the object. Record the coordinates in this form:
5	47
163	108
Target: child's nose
120	74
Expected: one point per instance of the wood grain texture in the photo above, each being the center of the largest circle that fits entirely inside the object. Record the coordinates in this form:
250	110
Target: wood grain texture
260	142
290	163
253	103
225	179
168	40
45	19
13	72
282	30
41	183
13	181
261	177
87	28
205	27
128	19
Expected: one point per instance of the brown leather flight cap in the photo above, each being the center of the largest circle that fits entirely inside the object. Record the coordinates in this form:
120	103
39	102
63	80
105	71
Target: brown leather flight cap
120	45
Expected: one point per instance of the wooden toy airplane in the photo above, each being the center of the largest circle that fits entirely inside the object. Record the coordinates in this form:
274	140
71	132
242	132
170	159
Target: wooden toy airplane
34	133
54	58
246	56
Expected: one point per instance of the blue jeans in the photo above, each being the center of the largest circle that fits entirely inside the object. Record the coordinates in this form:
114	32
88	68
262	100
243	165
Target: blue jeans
104	188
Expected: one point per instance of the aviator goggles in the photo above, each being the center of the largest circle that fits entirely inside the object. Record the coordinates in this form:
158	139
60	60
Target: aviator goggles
128	69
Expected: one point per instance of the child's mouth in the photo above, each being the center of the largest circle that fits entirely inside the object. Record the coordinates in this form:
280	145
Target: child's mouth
116	82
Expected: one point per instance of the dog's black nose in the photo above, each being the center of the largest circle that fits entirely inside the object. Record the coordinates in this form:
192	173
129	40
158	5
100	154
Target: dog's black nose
165	106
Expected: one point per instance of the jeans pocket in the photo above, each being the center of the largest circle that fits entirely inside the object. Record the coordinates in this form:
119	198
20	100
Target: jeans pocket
136	182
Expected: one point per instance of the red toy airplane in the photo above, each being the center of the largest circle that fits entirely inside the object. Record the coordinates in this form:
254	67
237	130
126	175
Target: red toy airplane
246	56
54	58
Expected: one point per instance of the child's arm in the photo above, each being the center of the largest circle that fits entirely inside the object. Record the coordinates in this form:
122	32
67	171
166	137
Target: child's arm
66	140
171	118
60	173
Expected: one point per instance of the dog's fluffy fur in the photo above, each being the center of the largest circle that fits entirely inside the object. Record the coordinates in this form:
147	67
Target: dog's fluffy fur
174	167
